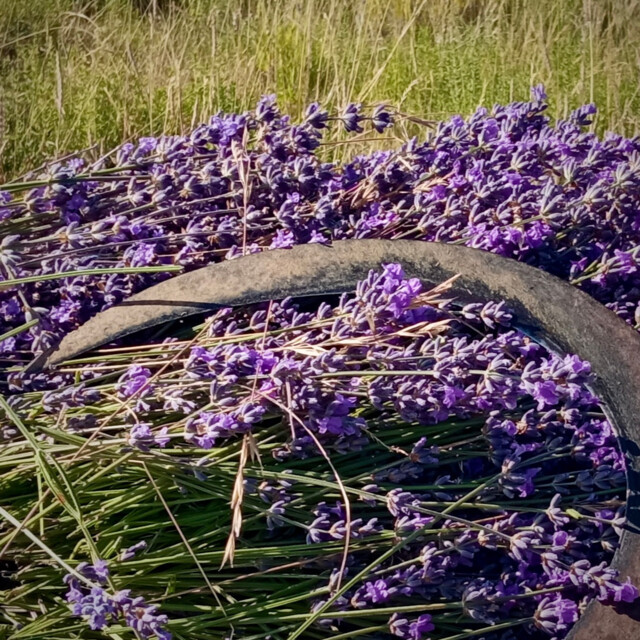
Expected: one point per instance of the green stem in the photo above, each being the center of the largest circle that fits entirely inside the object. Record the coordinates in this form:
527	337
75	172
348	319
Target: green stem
23	327
360	632
87	272
490	629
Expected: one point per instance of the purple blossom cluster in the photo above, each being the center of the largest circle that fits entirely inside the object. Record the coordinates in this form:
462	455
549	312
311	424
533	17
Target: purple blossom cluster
414	630
101	608
245	384
505	180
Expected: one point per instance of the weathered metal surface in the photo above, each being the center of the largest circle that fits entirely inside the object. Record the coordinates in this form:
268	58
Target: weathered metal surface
550	310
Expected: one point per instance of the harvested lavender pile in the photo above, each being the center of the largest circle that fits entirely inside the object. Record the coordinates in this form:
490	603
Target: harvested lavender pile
507	181
392	464
398	466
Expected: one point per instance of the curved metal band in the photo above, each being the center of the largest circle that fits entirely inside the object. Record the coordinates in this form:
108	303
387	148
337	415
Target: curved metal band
550	310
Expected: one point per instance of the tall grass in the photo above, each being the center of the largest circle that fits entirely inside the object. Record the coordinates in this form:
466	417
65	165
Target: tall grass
81	74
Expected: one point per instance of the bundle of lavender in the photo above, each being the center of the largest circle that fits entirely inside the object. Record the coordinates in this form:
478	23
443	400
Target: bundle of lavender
389	464
507	180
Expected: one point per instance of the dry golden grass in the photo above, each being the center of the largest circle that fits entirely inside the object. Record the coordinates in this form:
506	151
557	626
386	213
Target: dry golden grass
93	73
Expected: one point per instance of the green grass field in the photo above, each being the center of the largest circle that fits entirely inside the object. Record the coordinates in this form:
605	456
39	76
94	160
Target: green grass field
77	74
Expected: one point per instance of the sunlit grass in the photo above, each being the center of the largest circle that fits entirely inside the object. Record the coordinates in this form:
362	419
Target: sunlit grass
82	74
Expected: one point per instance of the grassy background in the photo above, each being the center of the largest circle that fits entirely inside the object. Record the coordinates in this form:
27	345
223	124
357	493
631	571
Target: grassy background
92	73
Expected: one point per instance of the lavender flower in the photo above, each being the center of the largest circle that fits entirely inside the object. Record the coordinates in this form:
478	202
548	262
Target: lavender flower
555	615
142	437
411	629
316	116
131	552
102	609
381	119
351	118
